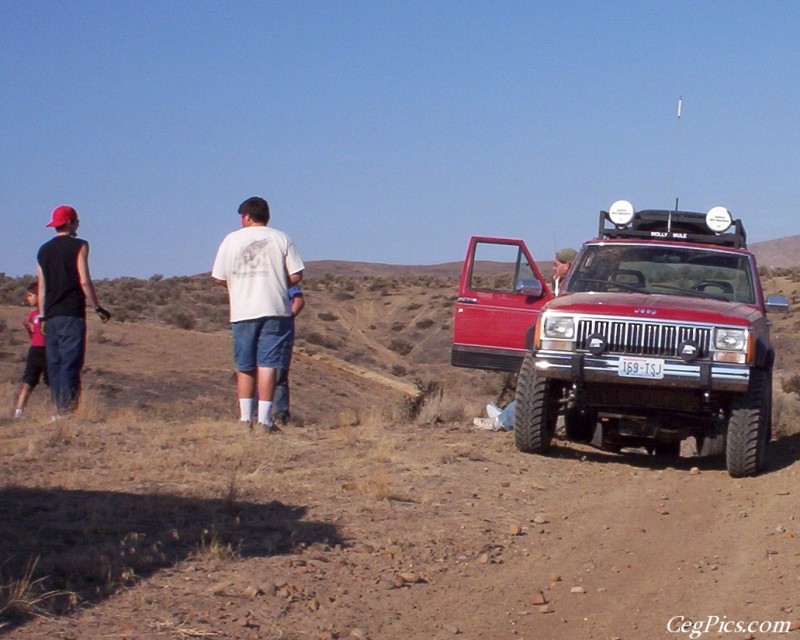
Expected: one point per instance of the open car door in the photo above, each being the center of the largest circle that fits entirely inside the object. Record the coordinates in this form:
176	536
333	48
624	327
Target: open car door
500	293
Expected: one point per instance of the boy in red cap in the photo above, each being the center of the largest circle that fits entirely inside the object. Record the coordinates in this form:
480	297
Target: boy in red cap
65	285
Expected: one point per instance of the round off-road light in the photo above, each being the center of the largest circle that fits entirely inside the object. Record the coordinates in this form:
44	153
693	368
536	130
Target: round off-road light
621	213
596	344
688	350
718	219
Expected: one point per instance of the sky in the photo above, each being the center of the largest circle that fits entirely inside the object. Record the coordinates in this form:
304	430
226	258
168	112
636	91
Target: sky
387	131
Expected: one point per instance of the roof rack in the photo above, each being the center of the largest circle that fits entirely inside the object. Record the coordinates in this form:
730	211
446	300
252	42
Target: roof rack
681	226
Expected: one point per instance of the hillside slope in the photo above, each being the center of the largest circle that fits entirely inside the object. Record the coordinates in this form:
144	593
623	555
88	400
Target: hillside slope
782	253
164	518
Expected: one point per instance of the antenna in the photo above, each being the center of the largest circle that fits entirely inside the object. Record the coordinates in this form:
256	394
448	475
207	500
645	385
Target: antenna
676	161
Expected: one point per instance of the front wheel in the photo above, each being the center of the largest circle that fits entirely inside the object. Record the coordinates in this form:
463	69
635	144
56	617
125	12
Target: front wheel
536	410
747	427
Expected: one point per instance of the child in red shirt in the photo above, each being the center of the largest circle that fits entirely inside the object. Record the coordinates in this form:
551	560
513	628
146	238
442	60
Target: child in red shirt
36	362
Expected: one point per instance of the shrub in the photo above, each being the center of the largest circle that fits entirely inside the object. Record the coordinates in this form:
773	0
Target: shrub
438	407
425	323
791	384
327	316
322	341
401	347
785	414
183	320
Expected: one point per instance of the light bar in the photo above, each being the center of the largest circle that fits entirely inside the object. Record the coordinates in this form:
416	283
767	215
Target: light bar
718	219
621	213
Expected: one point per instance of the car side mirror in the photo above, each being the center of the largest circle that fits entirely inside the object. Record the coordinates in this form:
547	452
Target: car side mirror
777	303
528	287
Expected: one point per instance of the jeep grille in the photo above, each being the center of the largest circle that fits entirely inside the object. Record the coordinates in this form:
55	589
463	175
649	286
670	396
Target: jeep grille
643	338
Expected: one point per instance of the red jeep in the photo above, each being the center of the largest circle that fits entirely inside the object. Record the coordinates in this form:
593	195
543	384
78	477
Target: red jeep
660	332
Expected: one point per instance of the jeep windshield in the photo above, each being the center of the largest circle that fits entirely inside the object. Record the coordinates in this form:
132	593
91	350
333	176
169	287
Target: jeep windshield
660	269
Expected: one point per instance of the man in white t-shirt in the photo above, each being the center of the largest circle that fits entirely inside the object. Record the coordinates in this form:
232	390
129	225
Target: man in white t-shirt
258	264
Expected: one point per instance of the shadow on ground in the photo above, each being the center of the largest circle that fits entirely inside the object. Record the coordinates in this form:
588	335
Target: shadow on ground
781	453
92	543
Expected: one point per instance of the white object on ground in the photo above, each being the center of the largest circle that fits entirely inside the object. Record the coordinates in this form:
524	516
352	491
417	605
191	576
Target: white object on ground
498	420
492	410
487	424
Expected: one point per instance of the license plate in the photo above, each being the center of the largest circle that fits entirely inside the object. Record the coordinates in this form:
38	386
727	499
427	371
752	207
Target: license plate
641	368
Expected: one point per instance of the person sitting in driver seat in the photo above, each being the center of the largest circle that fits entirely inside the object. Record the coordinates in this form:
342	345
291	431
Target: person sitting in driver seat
564	259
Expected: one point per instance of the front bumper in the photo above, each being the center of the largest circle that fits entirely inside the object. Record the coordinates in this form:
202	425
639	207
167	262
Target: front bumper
586	368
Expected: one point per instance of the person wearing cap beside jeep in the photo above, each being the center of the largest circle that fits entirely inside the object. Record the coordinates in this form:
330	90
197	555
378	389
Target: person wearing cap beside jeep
563	261
65	286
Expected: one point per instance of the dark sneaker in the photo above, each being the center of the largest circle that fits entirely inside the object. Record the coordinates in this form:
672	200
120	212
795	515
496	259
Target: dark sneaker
270	428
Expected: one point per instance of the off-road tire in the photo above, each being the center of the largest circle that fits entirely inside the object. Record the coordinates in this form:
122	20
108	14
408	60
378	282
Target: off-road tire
747	427
711	445
579	425
536	410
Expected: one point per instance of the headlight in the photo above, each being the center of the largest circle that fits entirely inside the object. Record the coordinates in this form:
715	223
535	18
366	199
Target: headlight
559	328
730	339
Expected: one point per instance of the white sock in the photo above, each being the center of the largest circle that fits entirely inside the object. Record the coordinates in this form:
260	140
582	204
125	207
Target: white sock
246	409
18	413
265	411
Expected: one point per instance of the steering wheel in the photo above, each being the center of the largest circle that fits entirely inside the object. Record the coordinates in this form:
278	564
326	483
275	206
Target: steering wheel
722	285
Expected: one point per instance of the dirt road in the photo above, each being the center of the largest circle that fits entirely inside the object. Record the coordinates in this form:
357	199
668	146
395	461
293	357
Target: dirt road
445	531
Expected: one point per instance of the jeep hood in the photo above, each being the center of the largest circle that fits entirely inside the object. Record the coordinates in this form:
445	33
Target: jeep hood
655	307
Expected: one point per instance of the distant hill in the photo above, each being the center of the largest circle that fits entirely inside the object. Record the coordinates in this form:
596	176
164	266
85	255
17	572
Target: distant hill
783	253
319	268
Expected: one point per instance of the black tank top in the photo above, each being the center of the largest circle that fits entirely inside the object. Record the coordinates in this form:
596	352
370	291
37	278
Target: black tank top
63	294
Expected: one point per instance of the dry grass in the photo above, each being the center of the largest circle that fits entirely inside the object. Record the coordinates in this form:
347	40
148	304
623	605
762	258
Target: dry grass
103	538
91	407
26	597
380	464
212	549
785	413
183	630
377	486
443	406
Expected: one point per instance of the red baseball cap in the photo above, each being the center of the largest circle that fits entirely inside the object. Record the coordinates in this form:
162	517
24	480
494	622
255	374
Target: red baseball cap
63	215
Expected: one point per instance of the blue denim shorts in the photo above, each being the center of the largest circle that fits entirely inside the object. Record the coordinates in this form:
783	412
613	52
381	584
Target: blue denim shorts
263	342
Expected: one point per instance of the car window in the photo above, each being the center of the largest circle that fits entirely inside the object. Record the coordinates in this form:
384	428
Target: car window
499	267
656	269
